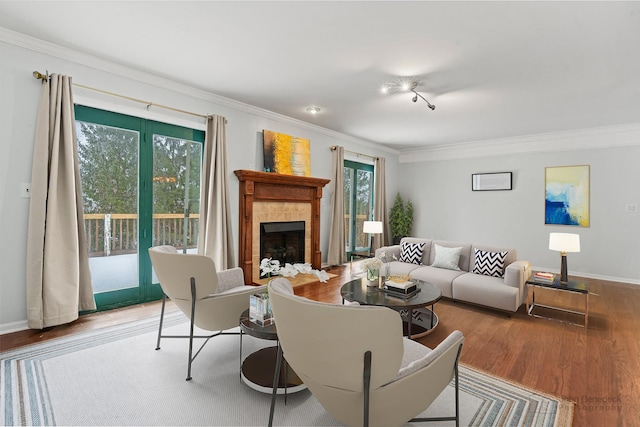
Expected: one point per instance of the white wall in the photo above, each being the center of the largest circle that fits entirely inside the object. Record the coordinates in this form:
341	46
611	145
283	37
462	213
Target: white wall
446	208
18	101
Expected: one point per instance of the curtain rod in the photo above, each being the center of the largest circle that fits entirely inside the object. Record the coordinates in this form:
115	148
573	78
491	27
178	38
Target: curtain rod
45	77
333	148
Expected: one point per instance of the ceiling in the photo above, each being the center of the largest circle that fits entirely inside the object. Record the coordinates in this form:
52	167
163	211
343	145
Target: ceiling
492	69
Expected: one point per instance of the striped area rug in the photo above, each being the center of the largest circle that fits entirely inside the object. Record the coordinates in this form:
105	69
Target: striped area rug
113	376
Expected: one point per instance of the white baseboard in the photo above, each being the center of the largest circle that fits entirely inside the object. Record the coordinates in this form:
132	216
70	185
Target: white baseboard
590	275
7	328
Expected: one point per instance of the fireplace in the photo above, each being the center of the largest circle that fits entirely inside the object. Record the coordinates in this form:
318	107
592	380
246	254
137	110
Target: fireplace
282	240
276	198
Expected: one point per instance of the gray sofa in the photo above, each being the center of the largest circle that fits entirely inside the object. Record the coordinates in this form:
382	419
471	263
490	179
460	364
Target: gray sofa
503	293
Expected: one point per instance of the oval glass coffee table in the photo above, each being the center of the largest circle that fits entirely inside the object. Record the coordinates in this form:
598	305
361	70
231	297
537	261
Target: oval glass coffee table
418	320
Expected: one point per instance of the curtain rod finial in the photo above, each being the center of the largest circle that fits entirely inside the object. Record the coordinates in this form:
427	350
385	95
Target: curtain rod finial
39	75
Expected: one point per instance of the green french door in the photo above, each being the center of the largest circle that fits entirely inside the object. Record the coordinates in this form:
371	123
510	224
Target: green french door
358	205
141	188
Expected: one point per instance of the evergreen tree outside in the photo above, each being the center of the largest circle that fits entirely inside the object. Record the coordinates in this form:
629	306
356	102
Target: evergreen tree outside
358	202
170	174
108	159
109	164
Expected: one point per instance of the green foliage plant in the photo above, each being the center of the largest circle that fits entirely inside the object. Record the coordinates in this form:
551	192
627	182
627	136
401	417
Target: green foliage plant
401	218
395	216
408	218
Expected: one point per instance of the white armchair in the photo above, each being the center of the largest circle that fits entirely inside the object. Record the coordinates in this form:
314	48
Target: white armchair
212	300
355	361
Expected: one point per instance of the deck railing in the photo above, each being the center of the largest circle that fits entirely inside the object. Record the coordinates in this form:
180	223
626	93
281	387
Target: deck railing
115	234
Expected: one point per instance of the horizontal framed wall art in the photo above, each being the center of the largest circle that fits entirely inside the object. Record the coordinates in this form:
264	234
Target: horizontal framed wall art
494	181
566	195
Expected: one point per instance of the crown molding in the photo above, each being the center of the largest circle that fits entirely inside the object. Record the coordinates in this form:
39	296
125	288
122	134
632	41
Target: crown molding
603	137
100	64
582	139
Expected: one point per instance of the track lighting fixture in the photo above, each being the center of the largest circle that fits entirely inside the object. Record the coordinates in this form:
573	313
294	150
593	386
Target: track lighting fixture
405	86
415	98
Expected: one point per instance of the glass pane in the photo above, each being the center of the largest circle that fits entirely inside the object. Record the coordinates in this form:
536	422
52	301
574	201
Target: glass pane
176	193
364	197
108	159
348	197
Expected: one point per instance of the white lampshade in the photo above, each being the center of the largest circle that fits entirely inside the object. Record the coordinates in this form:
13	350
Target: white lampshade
564	242
372	227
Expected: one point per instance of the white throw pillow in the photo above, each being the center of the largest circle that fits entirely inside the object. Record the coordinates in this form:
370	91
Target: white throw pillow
446	257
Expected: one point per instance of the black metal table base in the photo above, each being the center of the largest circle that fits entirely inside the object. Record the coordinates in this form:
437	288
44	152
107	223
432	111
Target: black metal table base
423	321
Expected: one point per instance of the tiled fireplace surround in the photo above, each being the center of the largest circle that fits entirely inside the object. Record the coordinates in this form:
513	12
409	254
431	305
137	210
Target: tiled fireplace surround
271	197
279	212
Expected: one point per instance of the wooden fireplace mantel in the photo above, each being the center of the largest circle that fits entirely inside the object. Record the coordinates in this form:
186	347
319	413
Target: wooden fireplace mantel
274	187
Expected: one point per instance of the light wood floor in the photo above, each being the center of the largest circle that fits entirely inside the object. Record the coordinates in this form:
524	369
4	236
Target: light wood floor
597	368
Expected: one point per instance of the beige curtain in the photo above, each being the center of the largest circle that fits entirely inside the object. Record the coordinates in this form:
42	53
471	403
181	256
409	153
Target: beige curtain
336	254
215	238
58	276
380	204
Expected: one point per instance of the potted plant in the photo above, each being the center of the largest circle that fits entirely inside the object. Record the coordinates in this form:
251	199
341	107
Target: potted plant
400	219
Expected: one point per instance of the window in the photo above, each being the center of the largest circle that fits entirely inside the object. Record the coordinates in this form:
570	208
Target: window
358	205
141	188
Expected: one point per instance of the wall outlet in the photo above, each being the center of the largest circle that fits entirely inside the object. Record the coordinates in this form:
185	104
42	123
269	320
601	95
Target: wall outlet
25	190
632	208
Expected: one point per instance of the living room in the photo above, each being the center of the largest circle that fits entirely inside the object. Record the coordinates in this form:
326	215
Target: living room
435	178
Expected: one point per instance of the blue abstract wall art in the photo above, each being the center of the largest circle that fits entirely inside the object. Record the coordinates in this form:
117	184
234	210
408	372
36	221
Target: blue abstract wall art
567	195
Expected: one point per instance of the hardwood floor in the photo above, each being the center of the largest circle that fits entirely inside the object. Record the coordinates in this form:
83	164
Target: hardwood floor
598	368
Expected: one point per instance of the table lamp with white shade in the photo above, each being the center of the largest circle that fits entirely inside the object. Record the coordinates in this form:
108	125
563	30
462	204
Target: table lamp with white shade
564	242
372	227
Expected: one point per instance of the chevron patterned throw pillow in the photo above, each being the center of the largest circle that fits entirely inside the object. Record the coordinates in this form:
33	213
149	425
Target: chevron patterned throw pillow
489	263
411	252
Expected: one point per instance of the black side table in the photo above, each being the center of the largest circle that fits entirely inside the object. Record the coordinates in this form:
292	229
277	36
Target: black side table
574	286
258	369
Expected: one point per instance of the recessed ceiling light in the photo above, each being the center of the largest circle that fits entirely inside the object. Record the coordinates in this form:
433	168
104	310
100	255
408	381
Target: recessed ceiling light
314	110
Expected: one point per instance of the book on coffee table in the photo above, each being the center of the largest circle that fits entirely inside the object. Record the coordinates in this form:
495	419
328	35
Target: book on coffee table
406	286
401	295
